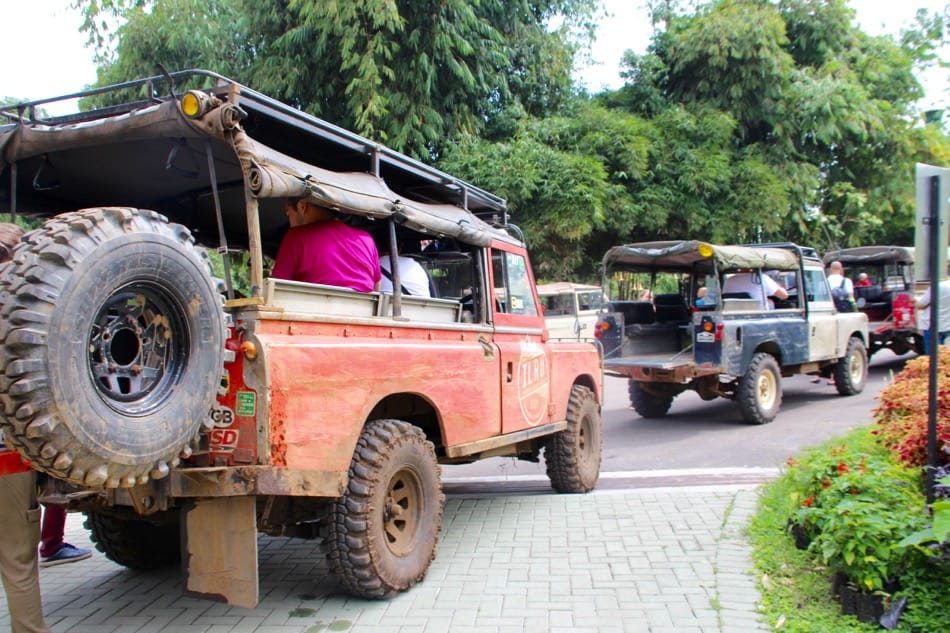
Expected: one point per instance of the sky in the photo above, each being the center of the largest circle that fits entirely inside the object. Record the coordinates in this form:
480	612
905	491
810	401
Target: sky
44	54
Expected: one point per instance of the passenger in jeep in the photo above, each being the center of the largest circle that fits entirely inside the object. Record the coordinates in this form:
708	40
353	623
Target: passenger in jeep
413	278
321	249
756	285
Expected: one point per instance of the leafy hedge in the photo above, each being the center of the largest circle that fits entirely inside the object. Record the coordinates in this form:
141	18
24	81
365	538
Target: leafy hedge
859	503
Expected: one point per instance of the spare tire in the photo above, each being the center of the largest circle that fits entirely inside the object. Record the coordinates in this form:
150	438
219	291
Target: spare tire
111	346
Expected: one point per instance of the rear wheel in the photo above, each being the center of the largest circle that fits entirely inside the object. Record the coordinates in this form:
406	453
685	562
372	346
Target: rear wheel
646	403
133	543
112	346
851	372
759	395
382	533
572	456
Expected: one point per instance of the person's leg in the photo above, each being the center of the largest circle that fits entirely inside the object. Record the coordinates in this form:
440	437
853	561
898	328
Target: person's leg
926	342
54	526
53	549
19	537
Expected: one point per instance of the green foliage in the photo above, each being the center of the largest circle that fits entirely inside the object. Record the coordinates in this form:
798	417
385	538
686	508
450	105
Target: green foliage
412	74
794	587
858	504
745	120
826	110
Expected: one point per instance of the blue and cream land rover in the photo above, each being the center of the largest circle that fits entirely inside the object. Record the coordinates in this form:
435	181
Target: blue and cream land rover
724	321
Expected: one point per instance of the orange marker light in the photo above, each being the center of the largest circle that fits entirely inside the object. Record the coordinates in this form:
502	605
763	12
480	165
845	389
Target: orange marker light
249	349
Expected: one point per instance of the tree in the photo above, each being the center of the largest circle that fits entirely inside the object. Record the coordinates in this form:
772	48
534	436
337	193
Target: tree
412	74
823	112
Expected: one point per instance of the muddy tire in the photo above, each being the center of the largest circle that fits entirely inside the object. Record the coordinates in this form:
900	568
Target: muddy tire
759	394
851	371
572	456
135	544
382	533
111	346
647	404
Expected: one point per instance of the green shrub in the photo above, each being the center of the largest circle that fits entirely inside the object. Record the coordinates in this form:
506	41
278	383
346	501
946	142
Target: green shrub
858	503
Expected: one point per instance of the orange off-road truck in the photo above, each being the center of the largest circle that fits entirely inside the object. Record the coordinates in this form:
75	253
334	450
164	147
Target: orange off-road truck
185	401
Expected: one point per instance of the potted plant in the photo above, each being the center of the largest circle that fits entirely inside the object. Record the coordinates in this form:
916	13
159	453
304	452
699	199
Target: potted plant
860	517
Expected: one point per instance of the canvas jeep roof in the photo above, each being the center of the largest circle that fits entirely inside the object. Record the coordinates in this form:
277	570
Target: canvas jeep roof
683	255
146	153
871	255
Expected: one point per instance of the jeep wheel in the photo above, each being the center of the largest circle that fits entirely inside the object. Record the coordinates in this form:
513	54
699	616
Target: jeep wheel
760	391
572	456
647	404
851	372
382	533
135	544
111	346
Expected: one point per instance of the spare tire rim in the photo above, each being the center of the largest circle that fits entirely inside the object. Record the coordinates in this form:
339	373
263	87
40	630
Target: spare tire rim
138	348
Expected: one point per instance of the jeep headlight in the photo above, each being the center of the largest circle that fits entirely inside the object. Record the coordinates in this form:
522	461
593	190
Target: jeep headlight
195	103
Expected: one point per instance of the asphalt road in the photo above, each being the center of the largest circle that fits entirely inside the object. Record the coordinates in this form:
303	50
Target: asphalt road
709	438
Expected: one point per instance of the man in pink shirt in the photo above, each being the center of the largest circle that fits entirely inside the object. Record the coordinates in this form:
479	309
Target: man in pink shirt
320	249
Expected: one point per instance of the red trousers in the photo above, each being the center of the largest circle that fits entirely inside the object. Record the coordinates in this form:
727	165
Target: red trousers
54	525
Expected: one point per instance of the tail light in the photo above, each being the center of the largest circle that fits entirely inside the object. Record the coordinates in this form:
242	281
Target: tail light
600	328
905	316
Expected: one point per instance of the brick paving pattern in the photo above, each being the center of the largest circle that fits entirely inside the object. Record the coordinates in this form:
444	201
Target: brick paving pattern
660	560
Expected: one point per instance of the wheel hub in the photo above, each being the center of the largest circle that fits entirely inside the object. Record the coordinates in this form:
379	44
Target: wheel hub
136	351
401	513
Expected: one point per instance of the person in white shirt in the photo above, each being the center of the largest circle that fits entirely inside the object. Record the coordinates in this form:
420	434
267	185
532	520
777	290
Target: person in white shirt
757	285
836	278
412	276
943	318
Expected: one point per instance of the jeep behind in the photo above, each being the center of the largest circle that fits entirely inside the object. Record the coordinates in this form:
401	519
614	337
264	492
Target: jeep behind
162	400
694	336
888	299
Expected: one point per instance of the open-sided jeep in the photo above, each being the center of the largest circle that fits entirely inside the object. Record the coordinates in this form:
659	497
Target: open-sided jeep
163	401
696	334
888	297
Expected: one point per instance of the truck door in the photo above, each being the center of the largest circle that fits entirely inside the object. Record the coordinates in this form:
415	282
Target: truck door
519	326
822	324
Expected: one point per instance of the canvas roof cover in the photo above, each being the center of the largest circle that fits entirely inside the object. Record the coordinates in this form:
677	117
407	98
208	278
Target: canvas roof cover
871	255
147	154
685	255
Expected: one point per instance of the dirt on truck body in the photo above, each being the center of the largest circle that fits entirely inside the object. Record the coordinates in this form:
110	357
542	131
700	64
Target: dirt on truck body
691	332
163	399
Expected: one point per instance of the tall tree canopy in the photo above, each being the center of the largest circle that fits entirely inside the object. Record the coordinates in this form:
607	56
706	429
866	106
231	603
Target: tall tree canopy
745	120
412	74
824	106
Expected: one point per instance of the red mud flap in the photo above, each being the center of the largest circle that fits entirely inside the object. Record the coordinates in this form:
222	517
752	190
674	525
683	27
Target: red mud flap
219	550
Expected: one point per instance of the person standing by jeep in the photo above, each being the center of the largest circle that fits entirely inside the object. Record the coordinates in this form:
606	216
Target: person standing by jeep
19	517
943	319
836	279
320	249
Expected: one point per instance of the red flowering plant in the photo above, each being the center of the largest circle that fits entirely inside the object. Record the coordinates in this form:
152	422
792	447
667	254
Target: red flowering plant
857	503
902	415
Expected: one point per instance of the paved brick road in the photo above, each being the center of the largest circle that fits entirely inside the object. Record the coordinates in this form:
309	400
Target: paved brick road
658	560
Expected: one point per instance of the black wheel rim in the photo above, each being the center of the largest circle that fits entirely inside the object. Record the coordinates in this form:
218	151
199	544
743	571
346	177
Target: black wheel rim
137	348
